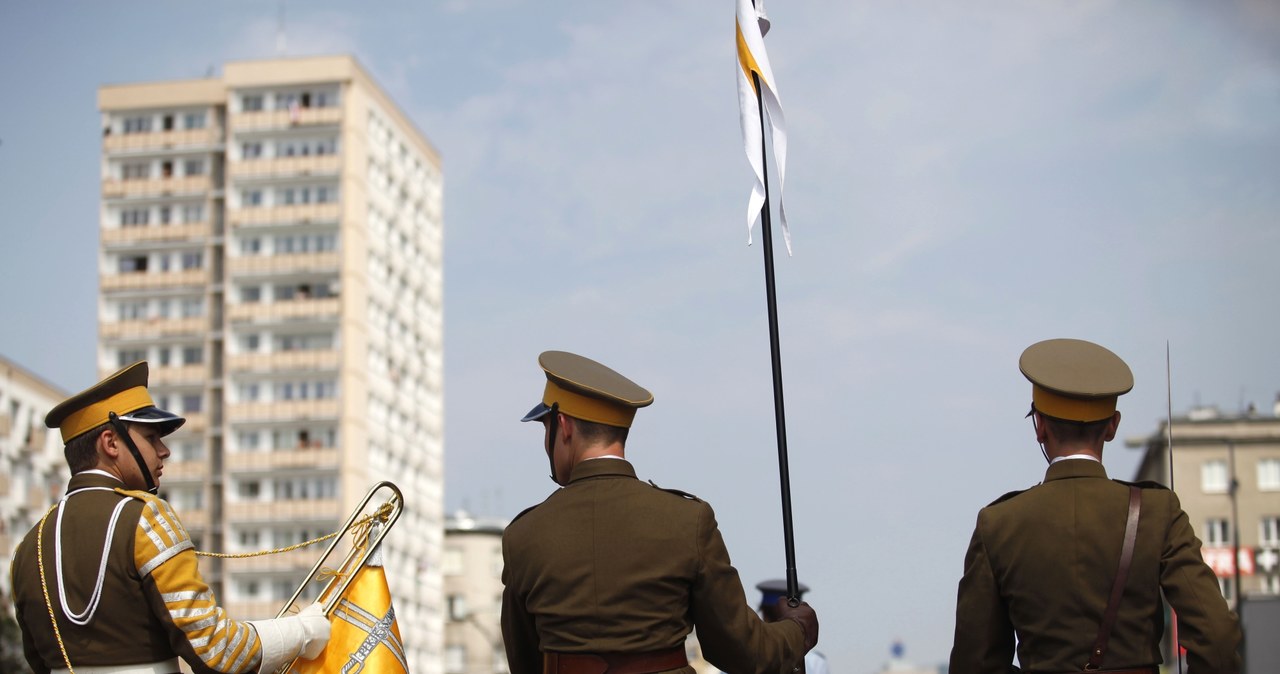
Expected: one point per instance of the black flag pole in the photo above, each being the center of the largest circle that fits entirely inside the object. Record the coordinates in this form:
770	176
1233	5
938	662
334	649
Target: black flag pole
780	421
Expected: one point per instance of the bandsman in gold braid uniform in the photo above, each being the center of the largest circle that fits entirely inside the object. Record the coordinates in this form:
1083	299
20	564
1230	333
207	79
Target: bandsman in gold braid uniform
119	571
1043	563
610	574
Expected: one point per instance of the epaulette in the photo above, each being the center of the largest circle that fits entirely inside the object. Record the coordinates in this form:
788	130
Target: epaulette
144	496
1144	484
523	513
1009	495
677	492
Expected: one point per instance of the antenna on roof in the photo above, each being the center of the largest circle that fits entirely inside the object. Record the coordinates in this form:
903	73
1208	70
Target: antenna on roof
280	40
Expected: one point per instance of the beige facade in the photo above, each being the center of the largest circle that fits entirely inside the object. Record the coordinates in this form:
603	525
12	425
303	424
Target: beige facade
472	568
1211	453
33	472
271	241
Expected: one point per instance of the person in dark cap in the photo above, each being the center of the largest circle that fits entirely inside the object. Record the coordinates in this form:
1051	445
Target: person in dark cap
773	596
610	574
108	582
1071	571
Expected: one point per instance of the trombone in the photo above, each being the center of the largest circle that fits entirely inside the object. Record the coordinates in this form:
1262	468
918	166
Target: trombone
380	521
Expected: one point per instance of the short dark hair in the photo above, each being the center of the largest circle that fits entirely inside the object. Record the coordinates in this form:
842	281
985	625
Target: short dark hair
593	432
82	450
1077	432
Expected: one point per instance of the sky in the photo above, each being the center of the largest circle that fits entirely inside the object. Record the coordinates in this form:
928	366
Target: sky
964	179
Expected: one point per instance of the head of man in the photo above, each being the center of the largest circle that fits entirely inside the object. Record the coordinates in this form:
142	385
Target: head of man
586	411
1074	389
114	426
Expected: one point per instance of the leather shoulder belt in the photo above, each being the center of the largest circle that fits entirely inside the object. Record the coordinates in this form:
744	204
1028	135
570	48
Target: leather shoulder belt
1117	589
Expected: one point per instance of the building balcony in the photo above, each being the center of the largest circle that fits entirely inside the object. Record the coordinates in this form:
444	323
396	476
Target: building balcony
118	236
266	462
288	410
197	422
177	375
285	311
155	280
265	265
267	120
297	561
187	139
286	167
186	471
284	511
113	188
153	328
194	519
282	361
257	609
284	215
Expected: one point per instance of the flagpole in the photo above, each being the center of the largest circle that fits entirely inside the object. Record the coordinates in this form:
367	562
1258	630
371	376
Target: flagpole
780	422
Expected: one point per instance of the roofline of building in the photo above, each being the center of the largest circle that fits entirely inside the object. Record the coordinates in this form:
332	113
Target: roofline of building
12	368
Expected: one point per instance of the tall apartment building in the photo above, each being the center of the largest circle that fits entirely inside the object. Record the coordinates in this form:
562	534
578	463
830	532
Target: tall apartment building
33	472
473	595
271	243
1226	471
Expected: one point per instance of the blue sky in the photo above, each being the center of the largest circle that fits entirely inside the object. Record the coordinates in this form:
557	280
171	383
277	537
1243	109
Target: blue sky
964	179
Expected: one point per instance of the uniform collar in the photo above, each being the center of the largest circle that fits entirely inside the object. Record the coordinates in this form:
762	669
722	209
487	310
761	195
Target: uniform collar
613	467
93	478
1075	468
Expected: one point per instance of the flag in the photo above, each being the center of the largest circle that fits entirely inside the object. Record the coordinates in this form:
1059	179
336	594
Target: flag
752	26
364	637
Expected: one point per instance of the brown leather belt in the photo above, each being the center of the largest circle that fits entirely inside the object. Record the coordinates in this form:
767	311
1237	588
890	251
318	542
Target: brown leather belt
614	663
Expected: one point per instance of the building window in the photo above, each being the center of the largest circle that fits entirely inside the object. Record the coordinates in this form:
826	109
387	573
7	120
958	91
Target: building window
192	307
131	356
1269	585
135	171
192	355
251	150
249	392
191	402
192	260
250	343
457	607
166	123
1217	532
131	264
1225	586
193	213
251	198
1213	476
249	490
1269	531
1269	475
193	167
194	120
251	294
137	124
249	538
134	217
251	103
455	659
451	564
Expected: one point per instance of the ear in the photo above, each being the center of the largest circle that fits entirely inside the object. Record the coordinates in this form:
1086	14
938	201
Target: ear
1042	429
110	444
1112	426
565	426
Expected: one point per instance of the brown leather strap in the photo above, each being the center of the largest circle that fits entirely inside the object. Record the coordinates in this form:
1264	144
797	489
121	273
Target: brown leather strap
614	663
1117	589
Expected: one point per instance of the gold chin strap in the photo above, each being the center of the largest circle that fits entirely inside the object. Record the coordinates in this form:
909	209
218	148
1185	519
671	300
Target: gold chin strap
44	587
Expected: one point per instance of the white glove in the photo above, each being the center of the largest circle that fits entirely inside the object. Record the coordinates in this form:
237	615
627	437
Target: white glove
297	636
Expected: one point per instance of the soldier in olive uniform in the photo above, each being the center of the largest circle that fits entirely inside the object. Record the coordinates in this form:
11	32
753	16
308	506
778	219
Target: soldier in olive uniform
1043	563
113	563
610	574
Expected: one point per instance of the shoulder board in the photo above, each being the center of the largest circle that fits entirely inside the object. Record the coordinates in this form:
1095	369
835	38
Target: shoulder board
144	496
677	492
1010	495
1145	484
523	513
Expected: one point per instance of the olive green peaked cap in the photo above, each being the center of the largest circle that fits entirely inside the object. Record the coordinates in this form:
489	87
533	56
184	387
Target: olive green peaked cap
1075	380
587	390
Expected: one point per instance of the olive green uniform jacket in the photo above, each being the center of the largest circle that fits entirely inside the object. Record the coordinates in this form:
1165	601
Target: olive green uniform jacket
1041	565
610	564
154	605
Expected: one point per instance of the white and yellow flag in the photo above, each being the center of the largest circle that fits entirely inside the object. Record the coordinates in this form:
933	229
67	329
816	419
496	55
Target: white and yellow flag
364	637
752	26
